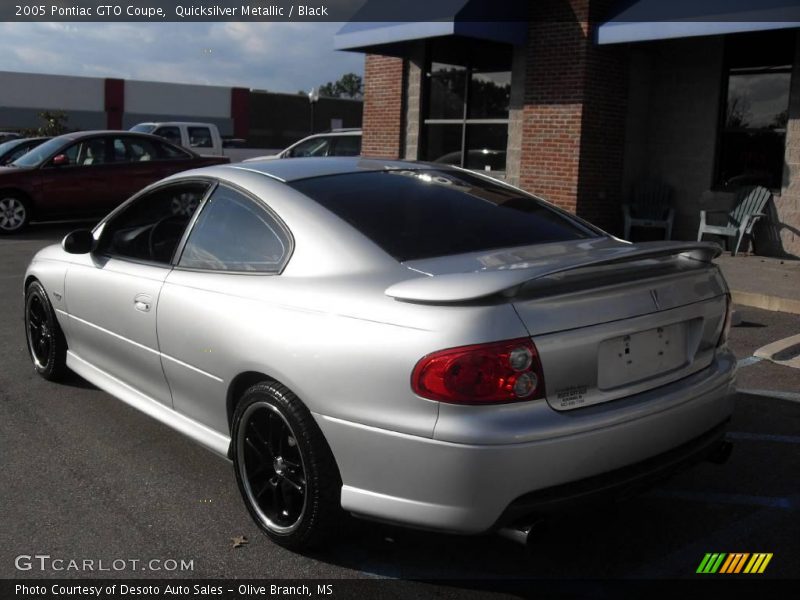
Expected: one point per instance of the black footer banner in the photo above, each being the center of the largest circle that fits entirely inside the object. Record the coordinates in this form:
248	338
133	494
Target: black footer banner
388	589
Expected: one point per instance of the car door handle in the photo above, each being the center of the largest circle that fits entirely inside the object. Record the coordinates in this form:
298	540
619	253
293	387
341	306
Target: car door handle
142	302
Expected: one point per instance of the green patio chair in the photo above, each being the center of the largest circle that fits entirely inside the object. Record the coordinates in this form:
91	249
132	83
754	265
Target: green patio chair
650	206
748	209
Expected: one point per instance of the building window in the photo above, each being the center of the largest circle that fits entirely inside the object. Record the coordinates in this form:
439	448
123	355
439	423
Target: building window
752	138
465	109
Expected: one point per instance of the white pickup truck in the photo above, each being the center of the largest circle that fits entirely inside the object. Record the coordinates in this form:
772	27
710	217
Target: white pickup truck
202	138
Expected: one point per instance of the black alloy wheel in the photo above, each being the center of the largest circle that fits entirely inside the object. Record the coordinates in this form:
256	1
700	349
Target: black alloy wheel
284	468
46	343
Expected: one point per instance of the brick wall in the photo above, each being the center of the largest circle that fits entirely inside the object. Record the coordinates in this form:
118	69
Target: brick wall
574	112
384	82
782	229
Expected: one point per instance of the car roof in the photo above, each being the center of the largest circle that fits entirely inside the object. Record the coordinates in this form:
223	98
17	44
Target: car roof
77	135
336	132
187	123
333	133
294	169
24	140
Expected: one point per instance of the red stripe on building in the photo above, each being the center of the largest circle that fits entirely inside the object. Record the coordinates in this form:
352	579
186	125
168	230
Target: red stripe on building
240	112
114	102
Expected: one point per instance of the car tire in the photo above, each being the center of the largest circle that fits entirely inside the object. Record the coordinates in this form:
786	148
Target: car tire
47	345
284	468
15	213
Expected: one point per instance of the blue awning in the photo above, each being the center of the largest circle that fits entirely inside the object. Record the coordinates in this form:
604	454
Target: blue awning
644	20
492	20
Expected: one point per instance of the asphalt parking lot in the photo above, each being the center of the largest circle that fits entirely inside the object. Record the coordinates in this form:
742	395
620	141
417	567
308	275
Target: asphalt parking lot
86	476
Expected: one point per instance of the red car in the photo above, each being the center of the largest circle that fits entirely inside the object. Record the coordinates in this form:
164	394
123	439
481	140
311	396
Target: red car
87	174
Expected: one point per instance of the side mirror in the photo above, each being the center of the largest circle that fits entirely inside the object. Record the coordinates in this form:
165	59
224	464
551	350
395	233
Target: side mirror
78	242
59	160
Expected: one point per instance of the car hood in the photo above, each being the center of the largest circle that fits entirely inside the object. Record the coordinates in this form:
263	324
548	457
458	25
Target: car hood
5	171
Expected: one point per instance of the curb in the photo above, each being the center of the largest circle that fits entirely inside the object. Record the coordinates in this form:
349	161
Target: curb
765	302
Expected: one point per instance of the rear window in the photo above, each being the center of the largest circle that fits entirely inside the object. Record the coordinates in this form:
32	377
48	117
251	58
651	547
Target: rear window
143	128
414	214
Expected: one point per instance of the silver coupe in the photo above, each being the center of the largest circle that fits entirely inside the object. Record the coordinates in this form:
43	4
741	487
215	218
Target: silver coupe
406	342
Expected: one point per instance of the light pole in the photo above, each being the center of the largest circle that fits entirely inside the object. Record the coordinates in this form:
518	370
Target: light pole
313	97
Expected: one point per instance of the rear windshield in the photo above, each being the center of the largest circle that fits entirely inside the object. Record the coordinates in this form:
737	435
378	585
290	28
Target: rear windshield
10	145
422	214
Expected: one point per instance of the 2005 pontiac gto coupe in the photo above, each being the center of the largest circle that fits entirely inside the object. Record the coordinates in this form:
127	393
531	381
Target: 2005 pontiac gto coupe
406	342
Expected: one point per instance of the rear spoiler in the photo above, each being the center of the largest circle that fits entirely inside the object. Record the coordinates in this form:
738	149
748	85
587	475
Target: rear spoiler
462	287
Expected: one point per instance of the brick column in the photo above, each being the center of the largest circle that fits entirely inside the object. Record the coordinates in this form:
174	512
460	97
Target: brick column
240	112
114	102
573	120
413	98
384	82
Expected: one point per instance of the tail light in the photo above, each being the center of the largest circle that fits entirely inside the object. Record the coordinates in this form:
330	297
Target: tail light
726	325
491	373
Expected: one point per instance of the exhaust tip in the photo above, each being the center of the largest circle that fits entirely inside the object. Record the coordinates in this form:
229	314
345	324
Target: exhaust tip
521	533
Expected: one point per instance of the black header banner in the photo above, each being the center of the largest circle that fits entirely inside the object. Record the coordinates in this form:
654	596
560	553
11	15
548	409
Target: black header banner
779	11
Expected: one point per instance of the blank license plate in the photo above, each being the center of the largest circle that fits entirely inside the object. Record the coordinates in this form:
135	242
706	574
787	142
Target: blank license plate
639	356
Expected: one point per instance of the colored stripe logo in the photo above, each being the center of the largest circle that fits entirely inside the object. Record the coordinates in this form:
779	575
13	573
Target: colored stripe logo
735	562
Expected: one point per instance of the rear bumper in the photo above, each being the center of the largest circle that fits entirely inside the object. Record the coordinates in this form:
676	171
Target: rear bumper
618	484
471	488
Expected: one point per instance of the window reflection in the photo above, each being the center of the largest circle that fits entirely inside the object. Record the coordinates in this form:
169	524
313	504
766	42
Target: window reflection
489	93
753	137
447	91
486	147
466	110
758	100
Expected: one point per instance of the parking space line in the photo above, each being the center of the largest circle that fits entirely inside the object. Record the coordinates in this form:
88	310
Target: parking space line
790	396
763	437
746	362
772	352
722	498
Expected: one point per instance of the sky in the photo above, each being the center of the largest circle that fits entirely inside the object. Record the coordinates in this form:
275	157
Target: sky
279	57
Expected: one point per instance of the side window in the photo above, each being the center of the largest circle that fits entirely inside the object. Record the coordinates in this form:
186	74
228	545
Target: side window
171	134
133	149
200	137
348	145
233	233
313	147
72	153
120	151
173	152
91	152
151	227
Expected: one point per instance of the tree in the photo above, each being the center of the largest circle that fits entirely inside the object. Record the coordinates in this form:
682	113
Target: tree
349	85
55	123
738	112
